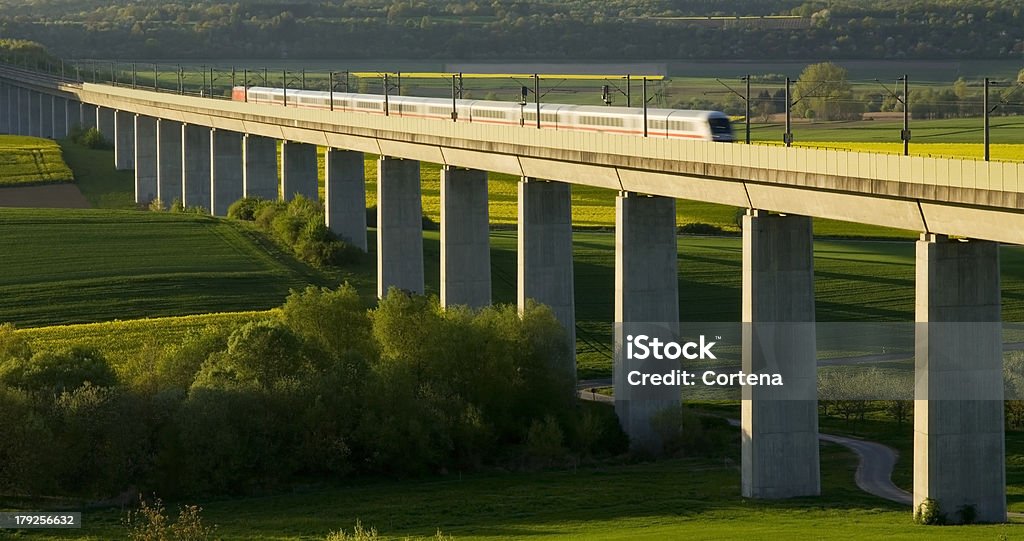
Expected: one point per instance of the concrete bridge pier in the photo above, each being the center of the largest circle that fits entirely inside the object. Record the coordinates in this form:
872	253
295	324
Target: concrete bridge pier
225	170
5	109
399	226
35	119
46	114
299	171
345	197
168	161
13	110
105	123
60	117
259	170
145	159
124	140
465	238
646	291
87	116
195	166
545	271
779	424
959	446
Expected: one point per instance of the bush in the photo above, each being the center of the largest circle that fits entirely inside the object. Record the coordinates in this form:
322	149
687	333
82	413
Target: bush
929	512
151	523
246	208
59	371
698	228
544	441
91	138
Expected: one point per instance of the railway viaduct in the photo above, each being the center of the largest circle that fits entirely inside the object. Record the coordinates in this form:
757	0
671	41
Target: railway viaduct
210	152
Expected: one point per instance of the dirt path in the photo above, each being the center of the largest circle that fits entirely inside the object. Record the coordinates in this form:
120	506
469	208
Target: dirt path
65	196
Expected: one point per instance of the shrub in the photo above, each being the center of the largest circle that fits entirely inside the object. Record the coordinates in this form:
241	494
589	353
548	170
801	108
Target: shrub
968	514
359	533
544	441
12	346
59	371
151	523
156	205
680	431
698	228
260	353
92	138
246	208
929	512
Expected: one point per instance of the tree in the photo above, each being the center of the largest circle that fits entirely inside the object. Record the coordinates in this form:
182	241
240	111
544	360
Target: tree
824	89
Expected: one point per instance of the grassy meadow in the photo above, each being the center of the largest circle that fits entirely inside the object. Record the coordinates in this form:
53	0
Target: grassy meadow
63	266
672	499
31	160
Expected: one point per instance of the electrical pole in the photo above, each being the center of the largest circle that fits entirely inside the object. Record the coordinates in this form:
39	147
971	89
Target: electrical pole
629	94
536	96
985	105
788	136
386	108
746	102
245	85
331	90
284	81
455	110
905	135
645	106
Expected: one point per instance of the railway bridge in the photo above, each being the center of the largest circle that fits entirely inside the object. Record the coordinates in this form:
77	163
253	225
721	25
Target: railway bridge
210	152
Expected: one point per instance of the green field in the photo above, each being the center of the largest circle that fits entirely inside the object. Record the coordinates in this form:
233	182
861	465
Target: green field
855	280
63	266
31	160
671	499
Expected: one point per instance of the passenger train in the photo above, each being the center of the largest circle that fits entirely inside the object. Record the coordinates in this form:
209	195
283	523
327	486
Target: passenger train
668	123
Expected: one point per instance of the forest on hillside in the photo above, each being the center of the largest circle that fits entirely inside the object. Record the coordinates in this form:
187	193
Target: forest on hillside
521	29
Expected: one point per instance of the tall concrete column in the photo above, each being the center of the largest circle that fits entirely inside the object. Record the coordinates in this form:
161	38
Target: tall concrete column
465	238
345	196
105	123
25	115
299	171
46	116
399	226
5	109
225	170
124	140
195	166
14	109
168	161
545	254
779	424
259	173
959	449
145	159
60	117
647	292
87	116
35	119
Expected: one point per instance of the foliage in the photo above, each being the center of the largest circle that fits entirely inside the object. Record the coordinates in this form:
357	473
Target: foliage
539	29
89	138
928	512
299	225
57	372
822	92
151	523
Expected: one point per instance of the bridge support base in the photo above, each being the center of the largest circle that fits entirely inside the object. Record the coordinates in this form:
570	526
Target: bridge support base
124	140
299	171
35	119
779	424
646	291
6	111
105	123
225	170
959	449
145	159
259	173
60	117
46	113
168	161
399	226
545	255
345	195
195	166
465	238
87	116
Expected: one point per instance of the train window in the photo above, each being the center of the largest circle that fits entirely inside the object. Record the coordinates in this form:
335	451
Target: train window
657	124
720	126
548	117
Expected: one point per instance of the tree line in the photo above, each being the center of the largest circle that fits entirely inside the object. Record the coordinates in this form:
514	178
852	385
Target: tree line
521	29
